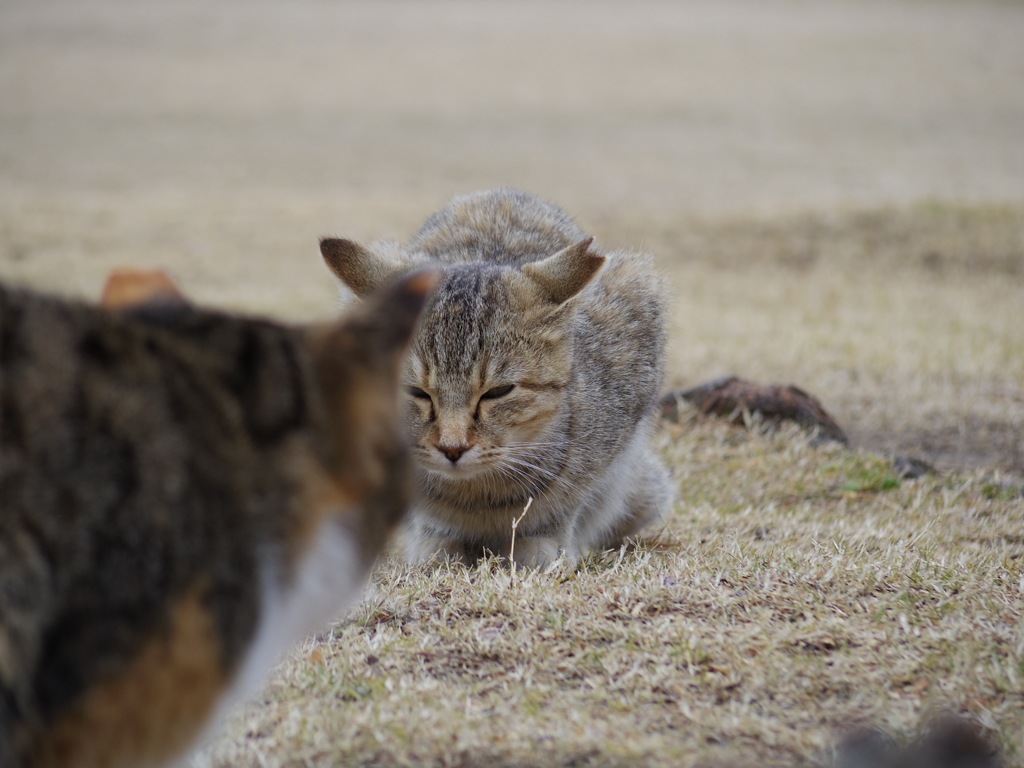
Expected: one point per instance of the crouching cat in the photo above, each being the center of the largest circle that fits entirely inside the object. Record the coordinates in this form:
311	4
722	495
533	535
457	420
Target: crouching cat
183	494
534	374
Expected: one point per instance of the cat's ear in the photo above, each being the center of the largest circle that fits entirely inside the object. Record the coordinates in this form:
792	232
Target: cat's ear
355	265
373	336
140	288
568	272
386	321
357	363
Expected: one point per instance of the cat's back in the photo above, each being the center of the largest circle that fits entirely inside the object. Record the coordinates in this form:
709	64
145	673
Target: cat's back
106	417
183	494
620	338
503	226
175	358
128	455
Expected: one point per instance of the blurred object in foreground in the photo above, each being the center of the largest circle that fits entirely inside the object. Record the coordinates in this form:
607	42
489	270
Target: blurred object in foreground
131	287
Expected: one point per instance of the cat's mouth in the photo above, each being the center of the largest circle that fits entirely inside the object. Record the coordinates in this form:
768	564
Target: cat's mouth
463	468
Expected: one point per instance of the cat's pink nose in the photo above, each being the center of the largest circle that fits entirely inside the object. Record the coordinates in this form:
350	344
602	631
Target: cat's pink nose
453	452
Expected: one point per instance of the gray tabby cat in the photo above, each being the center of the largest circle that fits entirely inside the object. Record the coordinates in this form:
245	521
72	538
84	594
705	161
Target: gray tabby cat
534	374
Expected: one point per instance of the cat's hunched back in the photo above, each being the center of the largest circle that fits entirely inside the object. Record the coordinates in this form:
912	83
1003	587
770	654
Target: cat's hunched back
183	494
534	374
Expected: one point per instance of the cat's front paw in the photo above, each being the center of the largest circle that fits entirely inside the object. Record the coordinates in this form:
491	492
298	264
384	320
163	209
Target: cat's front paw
536	552
434	549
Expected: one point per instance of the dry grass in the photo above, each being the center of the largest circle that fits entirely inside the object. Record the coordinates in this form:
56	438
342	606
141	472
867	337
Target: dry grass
795	592
905	322
833	191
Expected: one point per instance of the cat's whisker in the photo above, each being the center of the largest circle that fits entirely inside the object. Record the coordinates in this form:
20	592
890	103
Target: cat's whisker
534	481
531	455
551	449
517	476
576	468
555	478
527	466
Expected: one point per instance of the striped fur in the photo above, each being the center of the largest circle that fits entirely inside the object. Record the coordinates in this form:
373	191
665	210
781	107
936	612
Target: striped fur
533	375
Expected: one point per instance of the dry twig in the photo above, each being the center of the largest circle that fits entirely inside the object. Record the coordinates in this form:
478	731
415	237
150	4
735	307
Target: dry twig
512	547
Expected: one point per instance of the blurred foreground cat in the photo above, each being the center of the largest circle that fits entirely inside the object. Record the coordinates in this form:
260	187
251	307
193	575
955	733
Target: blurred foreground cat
183	494
534	374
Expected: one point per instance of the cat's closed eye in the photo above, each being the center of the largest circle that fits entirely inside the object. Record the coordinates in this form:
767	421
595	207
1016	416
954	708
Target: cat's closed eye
495	392
417	392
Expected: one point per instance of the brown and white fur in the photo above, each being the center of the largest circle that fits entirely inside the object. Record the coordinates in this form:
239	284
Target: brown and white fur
183	495
534	374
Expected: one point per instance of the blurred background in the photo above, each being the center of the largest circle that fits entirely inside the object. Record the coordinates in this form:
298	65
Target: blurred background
834	190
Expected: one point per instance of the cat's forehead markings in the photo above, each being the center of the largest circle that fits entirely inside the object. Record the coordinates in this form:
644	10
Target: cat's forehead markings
483	371
457	328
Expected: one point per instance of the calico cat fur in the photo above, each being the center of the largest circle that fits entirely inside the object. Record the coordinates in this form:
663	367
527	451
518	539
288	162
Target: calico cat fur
183	494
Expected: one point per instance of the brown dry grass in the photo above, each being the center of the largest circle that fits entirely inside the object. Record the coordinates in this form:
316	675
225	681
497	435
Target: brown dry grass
833	191
796	592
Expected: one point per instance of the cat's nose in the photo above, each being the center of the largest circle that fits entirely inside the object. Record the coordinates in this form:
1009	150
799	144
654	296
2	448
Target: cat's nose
453	452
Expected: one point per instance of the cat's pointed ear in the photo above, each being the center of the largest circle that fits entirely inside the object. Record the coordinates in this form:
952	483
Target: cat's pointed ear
357	363
139	288
355	265
568	272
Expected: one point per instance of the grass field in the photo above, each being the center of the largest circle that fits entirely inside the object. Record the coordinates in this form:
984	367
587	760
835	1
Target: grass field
834	193
796	593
